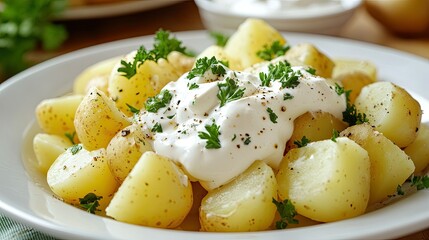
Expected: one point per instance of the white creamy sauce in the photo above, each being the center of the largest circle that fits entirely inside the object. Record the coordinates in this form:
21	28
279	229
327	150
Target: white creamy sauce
246	131
283	8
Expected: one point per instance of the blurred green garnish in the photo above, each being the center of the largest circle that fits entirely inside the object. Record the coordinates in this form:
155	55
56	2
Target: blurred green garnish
26	25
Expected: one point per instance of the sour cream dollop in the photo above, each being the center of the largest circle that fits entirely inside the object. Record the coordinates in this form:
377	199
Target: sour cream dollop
254	127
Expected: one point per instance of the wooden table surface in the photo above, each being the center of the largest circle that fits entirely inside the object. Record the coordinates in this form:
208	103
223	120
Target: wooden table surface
184	16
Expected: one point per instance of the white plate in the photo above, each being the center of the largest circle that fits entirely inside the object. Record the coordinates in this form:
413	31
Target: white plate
25	196
113	9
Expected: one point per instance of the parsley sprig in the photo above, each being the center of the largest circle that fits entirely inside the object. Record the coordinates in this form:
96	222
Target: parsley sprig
304	142
75	149
212	136
157	128
350	115
204	64
220	39
287	213
273	116
274	50
153	104
90	202
282	72
163	45
229	91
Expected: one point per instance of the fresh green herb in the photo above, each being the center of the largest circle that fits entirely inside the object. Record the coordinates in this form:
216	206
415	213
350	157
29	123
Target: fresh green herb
25	26
350	115
287	213
287	96
311	70
304	141
335	135
153	104
234	137
75	149
132	109
229	91
273	116
220	38
282	72
204	64
163	45
420	182
212	136
171	116
247	141
193	86
90	202
71	136
268	53
157	128
399	190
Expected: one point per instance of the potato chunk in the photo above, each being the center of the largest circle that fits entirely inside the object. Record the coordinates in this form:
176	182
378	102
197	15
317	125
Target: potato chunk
156	193
391	110
125	149
220	54
180	62
97	120
56	115
244	204
305	54
251	37
390	166
419	149
326	180
314	126
354	82
78	172
47	148
346	66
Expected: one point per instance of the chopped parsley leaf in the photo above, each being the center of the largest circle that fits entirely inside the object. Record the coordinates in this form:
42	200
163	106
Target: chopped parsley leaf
268	53
229	91
75	149
212	136
287	213
157	128
90	202
247	141
273	116
70	137
220	38
287	96
204	64
193	86
420	182
350	115
399	190
153	104
311	70
234	137
335	135
282	72
132	109
304	141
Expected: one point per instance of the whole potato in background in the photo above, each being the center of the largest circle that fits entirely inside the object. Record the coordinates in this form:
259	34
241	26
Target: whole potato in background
401	16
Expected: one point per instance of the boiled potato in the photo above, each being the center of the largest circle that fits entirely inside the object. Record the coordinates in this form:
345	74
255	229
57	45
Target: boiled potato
390	166
314	126
192	222
56	115
150	78
156	193
98	120
244	204
353	82
96	75
345	66
305	54
419	149
125	149
391	110
77	172
220	54
326	180
47	148
251	37
180	62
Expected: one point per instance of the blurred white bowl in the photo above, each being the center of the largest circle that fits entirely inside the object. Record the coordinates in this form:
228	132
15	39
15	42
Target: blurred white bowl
311	16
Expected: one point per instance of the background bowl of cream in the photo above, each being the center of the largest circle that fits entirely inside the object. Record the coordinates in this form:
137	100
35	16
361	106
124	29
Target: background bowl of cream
311	16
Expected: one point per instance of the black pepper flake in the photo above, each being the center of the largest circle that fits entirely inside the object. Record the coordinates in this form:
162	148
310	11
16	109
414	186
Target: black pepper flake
125	132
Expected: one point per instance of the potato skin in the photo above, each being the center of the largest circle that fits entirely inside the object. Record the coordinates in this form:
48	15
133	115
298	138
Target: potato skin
390	166
388	106
326	181
98	119
156	193
244	204
56	115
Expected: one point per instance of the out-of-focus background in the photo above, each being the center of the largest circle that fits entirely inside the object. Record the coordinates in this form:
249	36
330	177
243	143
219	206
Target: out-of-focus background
34	31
